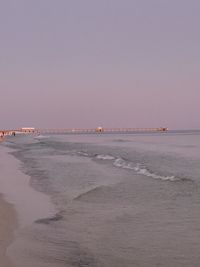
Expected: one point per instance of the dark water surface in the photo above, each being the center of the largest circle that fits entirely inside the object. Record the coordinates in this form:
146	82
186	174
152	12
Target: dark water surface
121	200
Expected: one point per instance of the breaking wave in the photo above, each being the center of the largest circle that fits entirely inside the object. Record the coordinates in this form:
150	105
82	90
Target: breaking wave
142	170
139	168
121	163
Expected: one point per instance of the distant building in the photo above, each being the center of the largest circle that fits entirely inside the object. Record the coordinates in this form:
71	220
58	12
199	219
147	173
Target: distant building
99	129
28	129
162	129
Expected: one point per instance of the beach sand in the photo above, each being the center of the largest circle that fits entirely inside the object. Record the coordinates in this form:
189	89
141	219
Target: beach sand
8	224
20	206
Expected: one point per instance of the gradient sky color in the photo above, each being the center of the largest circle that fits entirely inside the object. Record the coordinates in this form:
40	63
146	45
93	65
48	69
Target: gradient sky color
115	63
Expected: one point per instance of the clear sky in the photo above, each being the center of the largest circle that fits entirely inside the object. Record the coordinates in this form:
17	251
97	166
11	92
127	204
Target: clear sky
114	63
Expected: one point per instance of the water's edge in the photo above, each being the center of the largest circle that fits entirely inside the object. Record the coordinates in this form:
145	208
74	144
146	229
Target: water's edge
28	205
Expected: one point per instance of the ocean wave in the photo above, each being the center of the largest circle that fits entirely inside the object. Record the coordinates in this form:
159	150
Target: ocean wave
139	168
142	170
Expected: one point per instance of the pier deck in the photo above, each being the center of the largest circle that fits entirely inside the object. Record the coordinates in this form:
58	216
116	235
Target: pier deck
98	130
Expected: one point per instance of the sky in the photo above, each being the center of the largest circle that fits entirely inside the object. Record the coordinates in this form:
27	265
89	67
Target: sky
110	63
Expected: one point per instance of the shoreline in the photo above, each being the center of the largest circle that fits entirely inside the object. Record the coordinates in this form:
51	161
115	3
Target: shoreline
20	207
8	224
16	189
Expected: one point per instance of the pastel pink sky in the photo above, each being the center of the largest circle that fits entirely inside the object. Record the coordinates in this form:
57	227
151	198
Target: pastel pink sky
130	63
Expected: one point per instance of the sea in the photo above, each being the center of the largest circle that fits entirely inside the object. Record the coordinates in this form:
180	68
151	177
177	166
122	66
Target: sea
120	200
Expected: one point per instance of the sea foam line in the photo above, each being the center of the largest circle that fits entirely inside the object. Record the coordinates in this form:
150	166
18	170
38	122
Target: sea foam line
139	168
142	170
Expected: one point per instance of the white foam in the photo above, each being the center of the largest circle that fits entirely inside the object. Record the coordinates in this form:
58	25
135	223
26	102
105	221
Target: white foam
83	153
142	170
105	157
123	164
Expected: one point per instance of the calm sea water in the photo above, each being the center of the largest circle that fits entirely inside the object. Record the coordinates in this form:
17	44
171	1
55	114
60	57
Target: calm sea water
121	200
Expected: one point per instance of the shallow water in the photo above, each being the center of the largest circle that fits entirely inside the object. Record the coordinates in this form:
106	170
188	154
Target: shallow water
120	200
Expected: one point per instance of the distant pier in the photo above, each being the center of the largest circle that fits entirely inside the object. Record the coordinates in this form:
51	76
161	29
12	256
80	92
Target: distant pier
98	130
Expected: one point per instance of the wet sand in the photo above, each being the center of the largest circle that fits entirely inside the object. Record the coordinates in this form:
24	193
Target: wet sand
8	223
20	207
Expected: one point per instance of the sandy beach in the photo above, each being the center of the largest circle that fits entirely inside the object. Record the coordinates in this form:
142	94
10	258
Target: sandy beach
16	212
8	224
